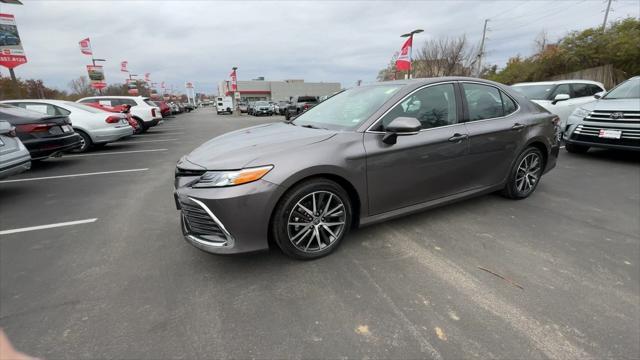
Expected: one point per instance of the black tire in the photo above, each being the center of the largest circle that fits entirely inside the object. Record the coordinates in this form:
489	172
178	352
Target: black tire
287	116
86	144
143	127
525	174
288	208
576	149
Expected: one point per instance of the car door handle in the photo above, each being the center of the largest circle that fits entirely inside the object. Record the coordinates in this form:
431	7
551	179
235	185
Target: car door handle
517	127
458	137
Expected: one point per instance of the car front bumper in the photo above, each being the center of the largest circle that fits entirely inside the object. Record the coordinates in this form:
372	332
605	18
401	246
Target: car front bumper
104	136
227	220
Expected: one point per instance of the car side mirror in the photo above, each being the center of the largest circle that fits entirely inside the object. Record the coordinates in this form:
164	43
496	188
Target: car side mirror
400	126
599	95
560	97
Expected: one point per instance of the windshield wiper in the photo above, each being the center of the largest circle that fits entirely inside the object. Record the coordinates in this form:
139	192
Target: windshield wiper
314	127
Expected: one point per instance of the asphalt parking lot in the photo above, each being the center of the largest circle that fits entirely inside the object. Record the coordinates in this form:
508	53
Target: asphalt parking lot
122	283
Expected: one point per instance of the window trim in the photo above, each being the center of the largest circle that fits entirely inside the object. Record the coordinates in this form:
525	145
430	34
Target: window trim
458	118
466	106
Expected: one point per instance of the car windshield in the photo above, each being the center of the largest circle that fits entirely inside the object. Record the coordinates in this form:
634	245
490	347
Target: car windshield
629	89
83	107
534	92
348	109
262	103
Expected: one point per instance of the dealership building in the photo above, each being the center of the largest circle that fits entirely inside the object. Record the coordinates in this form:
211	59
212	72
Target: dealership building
260	89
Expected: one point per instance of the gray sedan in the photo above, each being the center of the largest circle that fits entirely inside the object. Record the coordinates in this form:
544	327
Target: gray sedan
365	155
14	157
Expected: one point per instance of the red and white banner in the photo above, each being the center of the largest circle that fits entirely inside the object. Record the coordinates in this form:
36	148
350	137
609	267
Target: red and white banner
96	76
85	46
404	59
147	77
123	66
11	51
234	81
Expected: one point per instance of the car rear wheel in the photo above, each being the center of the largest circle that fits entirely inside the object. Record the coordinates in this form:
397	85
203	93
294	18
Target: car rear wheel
311	219
576	149
525	175
85	142
142	127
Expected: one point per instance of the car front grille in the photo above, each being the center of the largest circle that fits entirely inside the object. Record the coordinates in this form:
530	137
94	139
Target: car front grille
591	133
611	116
199	222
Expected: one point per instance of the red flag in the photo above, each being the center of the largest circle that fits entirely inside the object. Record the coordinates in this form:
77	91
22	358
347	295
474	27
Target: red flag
123	66
404	61
85	46
234	81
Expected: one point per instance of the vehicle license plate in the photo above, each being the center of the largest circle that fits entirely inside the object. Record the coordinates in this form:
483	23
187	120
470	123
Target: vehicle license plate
67	128
610	134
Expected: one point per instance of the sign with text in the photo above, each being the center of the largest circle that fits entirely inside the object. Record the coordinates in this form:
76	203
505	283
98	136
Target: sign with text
11	51
96	76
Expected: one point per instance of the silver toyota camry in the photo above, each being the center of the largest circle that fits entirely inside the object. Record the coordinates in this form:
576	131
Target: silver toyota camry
364	155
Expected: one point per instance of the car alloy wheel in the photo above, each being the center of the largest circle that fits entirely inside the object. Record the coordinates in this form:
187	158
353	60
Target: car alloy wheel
528	173
316	221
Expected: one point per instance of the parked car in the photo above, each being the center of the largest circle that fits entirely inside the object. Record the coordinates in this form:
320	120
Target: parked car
250	107
560	97
243	107
96	127
299	104
124	109
224	105
165	109
612	121
9	39
145	112
365	155
14	156
262	108
189	107
282	107
175	109
43	135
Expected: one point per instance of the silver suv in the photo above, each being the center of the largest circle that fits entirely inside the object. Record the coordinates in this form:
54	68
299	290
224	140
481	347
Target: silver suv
613	121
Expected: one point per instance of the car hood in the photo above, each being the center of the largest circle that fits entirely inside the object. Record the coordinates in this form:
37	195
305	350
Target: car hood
613	105
237	149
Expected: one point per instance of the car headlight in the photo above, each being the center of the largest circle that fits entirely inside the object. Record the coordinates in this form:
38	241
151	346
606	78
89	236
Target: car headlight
580	112
231	178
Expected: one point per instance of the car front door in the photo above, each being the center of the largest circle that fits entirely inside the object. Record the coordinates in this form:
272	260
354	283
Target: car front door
420	167
496	131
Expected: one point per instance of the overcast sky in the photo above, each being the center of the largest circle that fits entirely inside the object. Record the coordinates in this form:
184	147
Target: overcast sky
341	41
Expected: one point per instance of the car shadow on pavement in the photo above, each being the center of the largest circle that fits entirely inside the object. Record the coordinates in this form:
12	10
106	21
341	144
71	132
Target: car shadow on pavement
612	155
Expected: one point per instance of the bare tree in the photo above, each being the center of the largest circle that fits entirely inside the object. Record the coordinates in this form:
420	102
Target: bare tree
444	57
81	87
540	42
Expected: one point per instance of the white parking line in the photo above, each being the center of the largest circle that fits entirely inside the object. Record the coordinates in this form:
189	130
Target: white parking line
73	175
49	226
158	133
144	141
115	152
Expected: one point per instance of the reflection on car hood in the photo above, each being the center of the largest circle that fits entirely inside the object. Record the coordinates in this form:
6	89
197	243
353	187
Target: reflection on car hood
614	105
237	149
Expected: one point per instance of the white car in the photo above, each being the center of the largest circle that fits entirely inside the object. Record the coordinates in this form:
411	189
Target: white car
143	110
560	97
14	157
96	127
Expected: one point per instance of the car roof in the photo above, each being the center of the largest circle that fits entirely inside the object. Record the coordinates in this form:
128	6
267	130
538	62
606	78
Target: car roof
556	82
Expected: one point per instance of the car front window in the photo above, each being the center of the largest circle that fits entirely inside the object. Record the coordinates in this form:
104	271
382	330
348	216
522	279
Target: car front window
629	89
348	109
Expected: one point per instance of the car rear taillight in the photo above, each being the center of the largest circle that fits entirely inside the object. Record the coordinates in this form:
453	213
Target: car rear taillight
153	112
113	119
34	128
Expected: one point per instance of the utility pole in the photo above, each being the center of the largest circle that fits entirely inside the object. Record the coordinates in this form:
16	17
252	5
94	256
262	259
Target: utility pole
410	35
481	52
606	15
14	80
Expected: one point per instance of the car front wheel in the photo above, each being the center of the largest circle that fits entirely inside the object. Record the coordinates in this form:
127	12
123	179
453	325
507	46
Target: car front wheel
311	219
525	175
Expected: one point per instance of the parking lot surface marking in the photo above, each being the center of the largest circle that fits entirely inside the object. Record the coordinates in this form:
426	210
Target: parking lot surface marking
115	153
146	141
74	175
158	133
48	226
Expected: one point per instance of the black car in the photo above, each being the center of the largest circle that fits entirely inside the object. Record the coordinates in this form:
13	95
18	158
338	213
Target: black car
42	135
300	104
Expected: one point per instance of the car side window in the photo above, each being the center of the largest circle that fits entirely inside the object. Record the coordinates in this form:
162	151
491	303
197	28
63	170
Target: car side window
508	105
433	106
594	89
41	108
484	102
128	102
61	111
561	89
583	90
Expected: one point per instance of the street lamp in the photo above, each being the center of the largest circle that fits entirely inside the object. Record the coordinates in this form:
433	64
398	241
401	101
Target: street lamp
410	35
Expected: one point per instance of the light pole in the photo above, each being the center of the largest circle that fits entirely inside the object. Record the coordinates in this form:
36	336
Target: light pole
410	35
234	87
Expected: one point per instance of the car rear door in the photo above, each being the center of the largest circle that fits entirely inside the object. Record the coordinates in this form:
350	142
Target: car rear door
496	131
425	166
